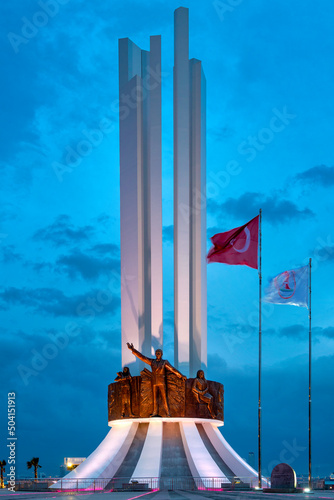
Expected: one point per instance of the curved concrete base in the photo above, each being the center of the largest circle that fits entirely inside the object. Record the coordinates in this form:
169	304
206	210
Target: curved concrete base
163	450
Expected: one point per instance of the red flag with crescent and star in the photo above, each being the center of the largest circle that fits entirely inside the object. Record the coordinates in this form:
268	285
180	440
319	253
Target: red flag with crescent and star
238	246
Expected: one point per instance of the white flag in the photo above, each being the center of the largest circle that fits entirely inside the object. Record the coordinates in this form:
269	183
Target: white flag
290	287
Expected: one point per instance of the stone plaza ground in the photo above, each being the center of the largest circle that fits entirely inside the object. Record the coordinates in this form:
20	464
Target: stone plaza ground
169	495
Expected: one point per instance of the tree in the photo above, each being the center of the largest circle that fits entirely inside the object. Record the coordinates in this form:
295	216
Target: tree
34	463
2	466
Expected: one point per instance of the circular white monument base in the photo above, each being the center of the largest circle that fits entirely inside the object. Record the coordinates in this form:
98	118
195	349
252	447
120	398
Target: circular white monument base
157	452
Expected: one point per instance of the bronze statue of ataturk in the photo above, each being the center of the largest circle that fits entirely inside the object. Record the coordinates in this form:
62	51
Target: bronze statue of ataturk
159	367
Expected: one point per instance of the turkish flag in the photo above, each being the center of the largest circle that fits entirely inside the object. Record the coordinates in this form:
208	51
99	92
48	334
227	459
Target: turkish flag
238	246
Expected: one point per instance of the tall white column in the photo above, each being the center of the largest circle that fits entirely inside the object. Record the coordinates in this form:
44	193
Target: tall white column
140	194
154	162
190	315
181	190
198	269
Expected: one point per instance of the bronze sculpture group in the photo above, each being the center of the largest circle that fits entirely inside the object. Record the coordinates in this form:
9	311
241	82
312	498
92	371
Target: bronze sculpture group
163	386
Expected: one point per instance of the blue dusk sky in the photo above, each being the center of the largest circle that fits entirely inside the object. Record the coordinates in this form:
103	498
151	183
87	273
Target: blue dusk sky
270	107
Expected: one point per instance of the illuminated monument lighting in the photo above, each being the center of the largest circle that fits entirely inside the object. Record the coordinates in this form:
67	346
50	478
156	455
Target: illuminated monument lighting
164	425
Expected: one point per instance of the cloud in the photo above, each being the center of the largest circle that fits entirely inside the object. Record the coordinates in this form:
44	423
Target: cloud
321	175
324	250
106	249
324	332
50	301
103	219
216	365
40	266
168	234
9	255
169	318
293	331
8	211
50	105
63	232
275	208
300	332
222	133
87	266
97	261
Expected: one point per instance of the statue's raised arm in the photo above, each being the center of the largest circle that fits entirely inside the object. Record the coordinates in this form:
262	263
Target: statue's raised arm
139	355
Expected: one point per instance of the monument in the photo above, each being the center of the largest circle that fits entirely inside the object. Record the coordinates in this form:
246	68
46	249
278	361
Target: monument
164	420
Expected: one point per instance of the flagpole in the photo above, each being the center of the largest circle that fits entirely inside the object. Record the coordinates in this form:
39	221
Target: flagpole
260	349
309	380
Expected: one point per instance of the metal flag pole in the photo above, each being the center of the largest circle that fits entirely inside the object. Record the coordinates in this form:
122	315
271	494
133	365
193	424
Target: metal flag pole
260	348
309	379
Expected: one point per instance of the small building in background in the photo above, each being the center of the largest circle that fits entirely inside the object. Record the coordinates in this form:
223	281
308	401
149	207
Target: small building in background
69	464
329	482
251	459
